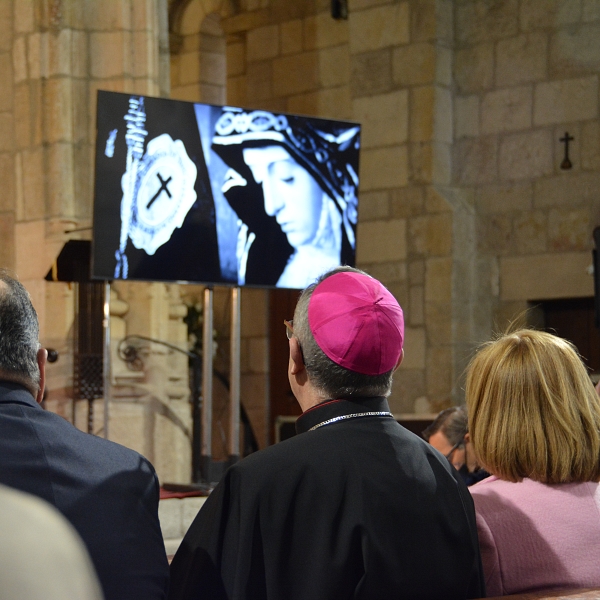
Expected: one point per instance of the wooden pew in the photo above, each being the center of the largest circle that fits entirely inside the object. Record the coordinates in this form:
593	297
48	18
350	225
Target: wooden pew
562	593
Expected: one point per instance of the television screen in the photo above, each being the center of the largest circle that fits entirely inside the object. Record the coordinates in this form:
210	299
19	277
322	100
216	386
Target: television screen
221	195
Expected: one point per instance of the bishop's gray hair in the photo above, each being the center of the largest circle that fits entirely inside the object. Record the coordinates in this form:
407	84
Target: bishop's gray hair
19	333
332	380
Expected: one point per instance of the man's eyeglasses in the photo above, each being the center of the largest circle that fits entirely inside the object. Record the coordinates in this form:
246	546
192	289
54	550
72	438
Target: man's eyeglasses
454	448
289	328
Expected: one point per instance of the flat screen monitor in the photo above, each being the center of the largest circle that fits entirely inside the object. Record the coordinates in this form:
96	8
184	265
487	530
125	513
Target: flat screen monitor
188	192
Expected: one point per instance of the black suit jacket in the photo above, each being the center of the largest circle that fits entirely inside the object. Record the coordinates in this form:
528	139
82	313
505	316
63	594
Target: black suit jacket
109	493
358	508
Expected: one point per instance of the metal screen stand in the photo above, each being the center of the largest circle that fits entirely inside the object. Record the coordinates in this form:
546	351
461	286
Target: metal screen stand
207	387
209	471
234	388
106	361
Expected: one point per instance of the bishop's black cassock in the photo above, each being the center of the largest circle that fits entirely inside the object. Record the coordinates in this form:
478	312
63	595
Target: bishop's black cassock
355	507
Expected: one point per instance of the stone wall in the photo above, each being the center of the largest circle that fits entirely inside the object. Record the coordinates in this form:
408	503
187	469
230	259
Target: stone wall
526	72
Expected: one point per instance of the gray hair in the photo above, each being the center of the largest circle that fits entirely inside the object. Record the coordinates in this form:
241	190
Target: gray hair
453	422
329	378
19	333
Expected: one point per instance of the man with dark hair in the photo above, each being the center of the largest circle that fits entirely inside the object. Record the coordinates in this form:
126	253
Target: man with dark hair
355	506
109	493
449	434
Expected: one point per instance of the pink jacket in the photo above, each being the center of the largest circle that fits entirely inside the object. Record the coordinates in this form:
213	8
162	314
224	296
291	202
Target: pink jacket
534	535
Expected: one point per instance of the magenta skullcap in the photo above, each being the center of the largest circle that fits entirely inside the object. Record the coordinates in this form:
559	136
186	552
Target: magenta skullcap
357	323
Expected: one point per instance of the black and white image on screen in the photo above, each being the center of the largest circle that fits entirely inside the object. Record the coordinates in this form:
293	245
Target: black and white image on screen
194	192
154	215
292	182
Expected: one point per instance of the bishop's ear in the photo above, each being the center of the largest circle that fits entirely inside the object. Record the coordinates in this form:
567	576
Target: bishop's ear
296	358
400	359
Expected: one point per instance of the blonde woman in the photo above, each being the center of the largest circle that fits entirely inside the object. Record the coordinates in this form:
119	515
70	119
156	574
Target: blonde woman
534	419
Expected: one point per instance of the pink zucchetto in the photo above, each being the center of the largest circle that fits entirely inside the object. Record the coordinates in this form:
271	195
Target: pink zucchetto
357	323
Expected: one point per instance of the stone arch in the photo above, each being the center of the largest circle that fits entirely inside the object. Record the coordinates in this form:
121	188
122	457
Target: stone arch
198	52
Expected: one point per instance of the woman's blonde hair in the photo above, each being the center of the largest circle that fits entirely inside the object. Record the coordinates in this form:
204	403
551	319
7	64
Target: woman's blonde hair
533	410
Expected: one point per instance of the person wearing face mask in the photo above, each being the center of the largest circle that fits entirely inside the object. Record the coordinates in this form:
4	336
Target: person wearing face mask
449	434
305	172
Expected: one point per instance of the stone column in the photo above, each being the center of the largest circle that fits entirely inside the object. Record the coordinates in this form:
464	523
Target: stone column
54	56
150	408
